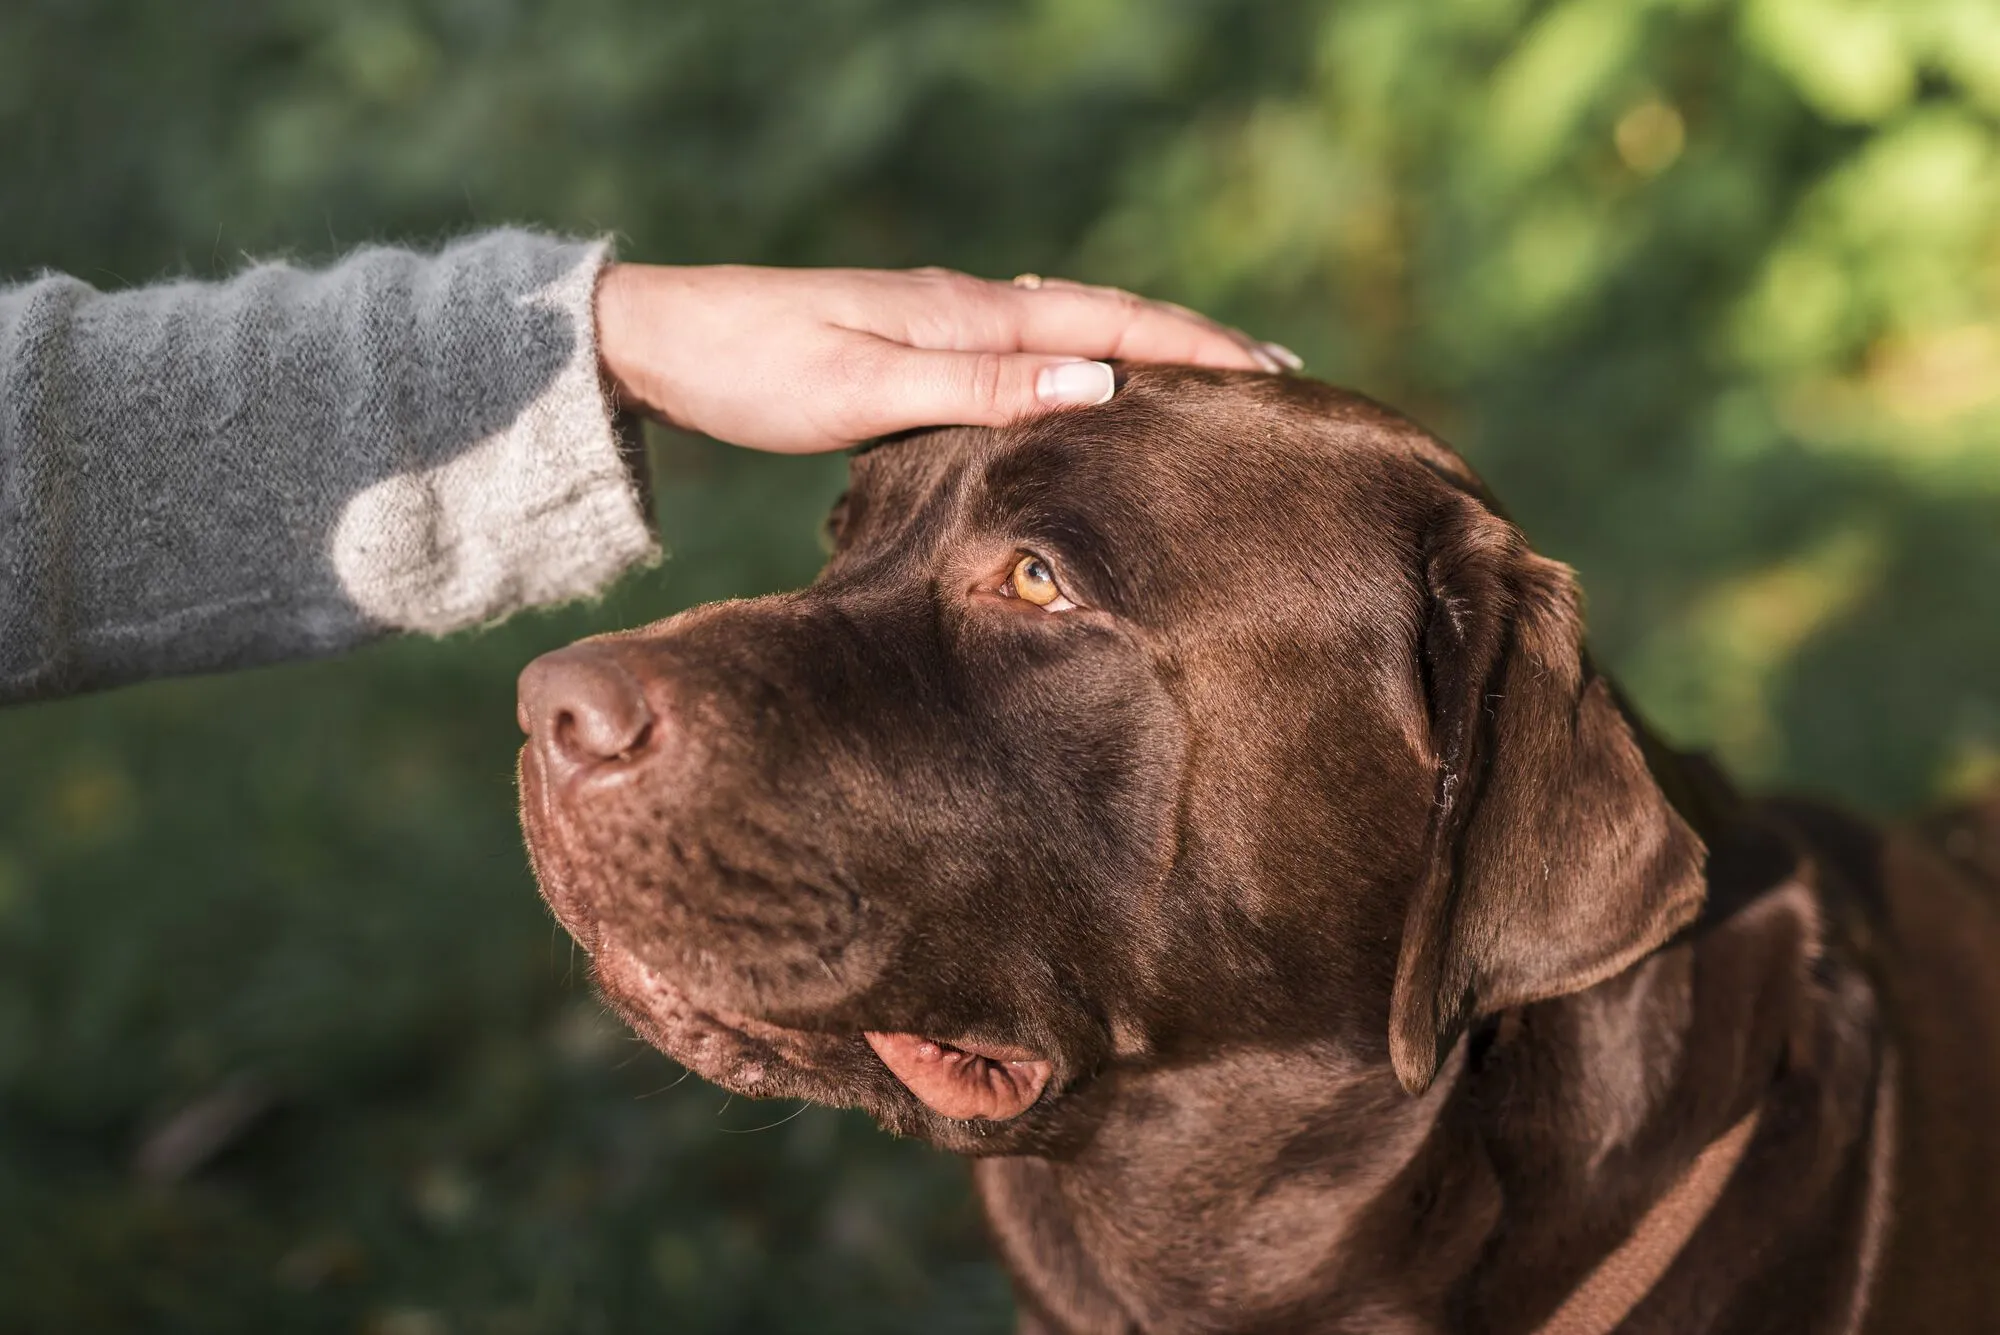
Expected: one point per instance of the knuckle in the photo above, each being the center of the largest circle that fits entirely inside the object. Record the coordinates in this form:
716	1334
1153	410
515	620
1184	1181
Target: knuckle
949	279
1113	296
1129	302
987	380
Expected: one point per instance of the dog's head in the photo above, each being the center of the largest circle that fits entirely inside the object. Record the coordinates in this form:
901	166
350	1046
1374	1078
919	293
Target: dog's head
1227	713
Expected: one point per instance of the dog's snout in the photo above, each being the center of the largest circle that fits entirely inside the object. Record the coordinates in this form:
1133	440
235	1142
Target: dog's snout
581	707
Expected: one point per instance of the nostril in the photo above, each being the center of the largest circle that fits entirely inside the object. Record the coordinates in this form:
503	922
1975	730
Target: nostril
580	705
598	736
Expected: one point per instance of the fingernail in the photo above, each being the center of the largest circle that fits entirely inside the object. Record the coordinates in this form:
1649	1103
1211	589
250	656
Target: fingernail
1075	384
1285	356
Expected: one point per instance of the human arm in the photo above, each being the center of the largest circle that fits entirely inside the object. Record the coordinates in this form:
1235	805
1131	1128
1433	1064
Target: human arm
197	476
203	476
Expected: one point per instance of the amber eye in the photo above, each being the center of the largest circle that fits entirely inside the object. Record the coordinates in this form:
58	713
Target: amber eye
1034	582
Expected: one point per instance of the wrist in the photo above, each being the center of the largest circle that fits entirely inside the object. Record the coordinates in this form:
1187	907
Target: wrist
619	312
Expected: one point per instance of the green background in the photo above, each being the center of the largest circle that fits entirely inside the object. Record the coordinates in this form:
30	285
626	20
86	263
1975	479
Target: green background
1710	291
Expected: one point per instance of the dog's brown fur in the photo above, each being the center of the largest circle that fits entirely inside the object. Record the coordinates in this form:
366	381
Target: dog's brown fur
1388	971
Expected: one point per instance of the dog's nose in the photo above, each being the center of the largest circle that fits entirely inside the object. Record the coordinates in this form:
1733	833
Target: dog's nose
581	707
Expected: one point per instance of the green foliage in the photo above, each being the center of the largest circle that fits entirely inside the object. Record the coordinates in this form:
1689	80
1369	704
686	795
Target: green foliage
1710	291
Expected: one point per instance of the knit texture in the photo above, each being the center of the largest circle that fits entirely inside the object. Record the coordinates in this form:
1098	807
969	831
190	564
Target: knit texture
203	476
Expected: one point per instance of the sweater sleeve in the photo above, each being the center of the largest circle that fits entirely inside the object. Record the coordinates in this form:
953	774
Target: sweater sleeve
204	476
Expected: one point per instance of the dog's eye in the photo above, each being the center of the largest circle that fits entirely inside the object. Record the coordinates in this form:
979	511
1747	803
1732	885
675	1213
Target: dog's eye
1033	582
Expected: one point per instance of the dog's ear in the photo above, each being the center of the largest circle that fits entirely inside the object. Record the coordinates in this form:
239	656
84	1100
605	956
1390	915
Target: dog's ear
1555	860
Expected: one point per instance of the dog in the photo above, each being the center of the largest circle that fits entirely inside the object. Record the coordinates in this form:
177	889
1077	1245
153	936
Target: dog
1202	809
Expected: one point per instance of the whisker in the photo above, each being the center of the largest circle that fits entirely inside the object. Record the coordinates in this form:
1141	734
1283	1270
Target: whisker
751	1131
663	1088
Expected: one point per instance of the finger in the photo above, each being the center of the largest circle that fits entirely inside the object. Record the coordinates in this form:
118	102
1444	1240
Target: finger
1063	318
913	387
1155	331
1058	315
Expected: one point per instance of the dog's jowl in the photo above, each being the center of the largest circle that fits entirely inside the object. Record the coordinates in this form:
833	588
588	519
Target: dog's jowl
1202	808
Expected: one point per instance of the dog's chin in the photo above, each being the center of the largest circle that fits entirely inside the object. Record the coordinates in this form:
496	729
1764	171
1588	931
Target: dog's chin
739	1052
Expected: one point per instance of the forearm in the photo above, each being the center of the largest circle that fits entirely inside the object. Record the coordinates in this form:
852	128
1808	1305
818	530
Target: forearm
202	476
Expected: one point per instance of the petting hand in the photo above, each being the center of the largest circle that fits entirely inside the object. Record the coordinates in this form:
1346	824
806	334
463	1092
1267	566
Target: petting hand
801	360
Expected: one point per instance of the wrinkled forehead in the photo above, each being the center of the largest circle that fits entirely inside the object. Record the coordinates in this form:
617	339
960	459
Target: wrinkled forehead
1189	491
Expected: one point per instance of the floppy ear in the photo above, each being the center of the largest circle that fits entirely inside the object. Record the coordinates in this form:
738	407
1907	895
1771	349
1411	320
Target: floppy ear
1555	860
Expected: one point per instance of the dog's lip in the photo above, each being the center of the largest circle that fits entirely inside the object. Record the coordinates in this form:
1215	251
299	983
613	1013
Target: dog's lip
963	1079
967	1079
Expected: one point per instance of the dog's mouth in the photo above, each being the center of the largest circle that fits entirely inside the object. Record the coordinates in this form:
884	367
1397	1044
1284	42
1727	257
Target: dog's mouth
964	1078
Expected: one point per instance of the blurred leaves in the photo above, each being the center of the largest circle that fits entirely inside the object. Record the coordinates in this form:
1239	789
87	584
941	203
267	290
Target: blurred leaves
1710	289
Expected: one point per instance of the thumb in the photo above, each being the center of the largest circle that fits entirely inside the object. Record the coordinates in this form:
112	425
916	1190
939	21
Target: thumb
921	387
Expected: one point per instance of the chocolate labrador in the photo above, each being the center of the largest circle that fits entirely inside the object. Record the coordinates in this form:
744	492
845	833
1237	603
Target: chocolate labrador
1202	809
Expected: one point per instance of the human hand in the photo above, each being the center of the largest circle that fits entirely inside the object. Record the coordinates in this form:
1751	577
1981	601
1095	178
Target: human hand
803	360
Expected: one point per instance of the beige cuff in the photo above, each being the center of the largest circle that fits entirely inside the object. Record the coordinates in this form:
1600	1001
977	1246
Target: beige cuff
545	510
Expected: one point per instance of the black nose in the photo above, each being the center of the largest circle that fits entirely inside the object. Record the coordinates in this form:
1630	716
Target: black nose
580	707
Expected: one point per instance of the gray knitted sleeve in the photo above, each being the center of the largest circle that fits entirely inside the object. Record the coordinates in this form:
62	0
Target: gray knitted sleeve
203	476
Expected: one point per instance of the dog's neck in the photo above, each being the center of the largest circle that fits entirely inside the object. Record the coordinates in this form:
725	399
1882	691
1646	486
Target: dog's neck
1298	1188
1225	1194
